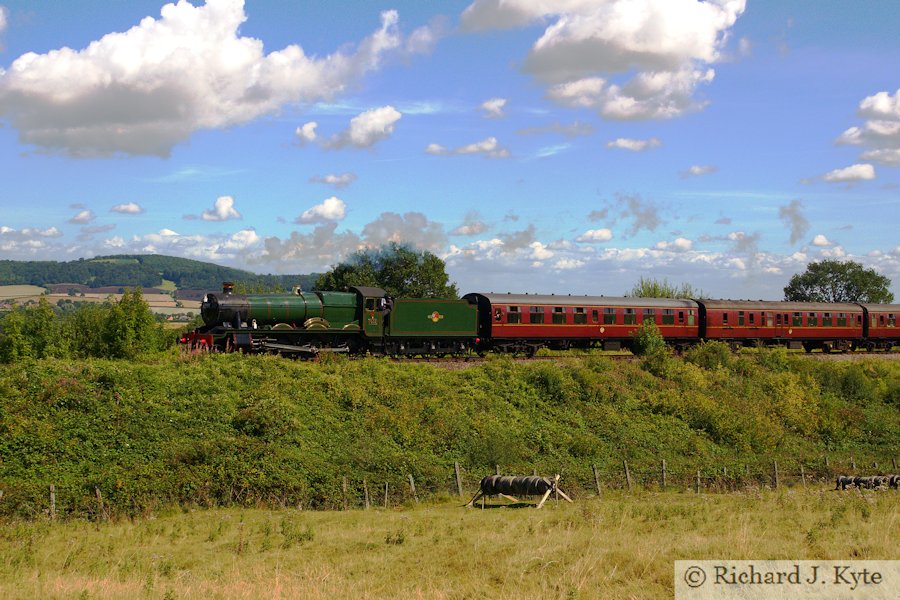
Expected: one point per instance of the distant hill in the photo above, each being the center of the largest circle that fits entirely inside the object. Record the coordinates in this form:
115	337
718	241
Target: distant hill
145	270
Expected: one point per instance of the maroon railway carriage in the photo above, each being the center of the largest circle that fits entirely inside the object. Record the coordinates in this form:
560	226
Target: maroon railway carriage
808	325
880	325
526	322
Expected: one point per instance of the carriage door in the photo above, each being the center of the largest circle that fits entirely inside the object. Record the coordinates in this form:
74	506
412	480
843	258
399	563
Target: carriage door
372	318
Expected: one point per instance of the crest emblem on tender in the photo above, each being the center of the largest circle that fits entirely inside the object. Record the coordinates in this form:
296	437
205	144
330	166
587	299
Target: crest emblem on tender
435	317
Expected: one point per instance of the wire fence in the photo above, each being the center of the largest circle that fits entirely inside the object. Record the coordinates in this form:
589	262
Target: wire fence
579	481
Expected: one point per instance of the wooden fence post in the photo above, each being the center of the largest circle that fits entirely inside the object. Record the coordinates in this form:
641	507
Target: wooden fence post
827	466
662	482
458	479
775	469
52	501
344	492
100	501
497	469
802	475
366	492
697	482
412	487
596	480
893	462
627	474
385	494
852	463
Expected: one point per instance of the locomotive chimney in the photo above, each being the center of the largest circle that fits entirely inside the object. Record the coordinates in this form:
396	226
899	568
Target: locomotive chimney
227	288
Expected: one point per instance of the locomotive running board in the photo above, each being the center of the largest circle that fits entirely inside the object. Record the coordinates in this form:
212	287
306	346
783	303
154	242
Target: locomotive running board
313	350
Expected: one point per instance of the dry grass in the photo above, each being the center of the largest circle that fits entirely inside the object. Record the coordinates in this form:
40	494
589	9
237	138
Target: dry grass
618	547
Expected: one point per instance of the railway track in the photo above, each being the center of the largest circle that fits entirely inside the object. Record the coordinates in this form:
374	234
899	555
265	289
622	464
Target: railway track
474	359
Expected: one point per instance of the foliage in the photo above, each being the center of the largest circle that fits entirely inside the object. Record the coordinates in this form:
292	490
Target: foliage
838	281
141	270
214	430
123	329
654	288
398	269
648	340
710	355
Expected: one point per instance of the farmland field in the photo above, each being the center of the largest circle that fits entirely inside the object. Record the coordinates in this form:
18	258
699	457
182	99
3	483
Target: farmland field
20	292
620	546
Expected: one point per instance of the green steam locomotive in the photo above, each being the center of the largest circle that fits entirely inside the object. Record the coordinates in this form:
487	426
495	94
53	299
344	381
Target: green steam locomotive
363	320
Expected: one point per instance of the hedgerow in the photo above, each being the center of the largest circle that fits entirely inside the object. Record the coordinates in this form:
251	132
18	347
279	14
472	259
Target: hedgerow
212	430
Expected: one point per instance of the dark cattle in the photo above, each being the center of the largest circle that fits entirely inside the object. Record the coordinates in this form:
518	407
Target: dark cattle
894	481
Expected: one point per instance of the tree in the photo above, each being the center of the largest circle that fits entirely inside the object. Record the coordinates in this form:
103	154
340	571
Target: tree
398	269
653	288
838	281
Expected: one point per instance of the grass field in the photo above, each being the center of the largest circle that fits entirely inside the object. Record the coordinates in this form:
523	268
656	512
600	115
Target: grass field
620	546
20	292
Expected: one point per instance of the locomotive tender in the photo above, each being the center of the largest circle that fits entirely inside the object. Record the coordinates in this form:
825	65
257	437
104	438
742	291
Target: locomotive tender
367	320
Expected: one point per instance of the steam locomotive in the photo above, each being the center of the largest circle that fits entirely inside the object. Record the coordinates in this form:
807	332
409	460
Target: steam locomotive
367	320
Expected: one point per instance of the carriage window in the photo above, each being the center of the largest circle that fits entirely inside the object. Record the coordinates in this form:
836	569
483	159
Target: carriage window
649	315
370	303
668	316
752	319
892	321
681	317
842	319
498	315
609	316
559	315
880	320
513	315
798	320
691	318
630	317
537	314
826	319
859	320
580	317
595	317
767	318
778	319
811	320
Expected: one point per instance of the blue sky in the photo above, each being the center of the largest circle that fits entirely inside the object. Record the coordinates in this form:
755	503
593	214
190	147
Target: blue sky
569	146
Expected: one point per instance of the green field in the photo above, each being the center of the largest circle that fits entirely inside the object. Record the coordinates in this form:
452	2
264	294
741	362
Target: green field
16	292
622	546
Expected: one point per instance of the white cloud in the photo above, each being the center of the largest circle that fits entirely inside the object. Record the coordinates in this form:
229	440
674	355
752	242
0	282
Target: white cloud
147	89
595	235
634	145
821	241
84	216
851	174
242	240
489	148
222	210
493	108
678	245
128	208
306	133
367	128
332	209
338	181
629	59
881	130
699	171
472	225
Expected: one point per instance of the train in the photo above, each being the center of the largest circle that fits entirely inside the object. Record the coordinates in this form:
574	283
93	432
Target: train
366	320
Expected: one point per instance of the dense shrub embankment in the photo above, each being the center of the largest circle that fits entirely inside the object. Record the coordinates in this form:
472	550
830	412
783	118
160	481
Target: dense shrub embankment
227	429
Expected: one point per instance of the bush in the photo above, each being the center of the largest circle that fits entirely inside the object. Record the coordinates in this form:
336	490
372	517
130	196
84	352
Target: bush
710	355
